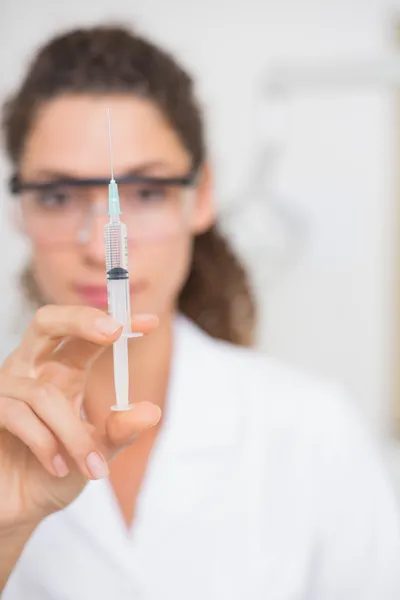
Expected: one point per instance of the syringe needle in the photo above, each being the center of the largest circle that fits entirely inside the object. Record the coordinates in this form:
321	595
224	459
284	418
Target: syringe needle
109	138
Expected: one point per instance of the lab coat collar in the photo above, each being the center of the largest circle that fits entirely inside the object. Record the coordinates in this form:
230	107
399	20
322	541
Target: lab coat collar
200	409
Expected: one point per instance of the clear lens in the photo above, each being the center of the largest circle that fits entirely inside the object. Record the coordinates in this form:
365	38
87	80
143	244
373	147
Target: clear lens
153	213
53	215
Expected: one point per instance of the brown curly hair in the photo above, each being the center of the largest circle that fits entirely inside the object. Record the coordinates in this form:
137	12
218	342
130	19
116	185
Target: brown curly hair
96	60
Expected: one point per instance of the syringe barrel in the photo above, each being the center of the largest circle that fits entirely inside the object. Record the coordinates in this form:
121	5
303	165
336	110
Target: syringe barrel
116	242
118	273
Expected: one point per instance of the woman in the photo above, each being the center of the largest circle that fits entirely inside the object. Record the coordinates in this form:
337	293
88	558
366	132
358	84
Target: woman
256	482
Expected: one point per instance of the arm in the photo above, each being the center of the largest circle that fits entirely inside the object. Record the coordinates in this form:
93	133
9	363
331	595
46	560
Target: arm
358	524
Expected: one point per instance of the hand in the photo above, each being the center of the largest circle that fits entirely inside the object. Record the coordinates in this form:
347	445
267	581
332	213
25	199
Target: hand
48	451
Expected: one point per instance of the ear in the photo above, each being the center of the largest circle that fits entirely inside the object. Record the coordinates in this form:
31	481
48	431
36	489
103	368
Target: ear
204	214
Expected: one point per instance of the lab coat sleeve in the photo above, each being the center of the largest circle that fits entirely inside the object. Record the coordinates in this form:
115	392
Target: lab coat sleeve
358	550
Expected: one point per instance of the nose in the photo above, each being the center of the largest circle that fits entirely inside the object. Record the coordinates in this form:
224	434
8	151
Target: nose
92	235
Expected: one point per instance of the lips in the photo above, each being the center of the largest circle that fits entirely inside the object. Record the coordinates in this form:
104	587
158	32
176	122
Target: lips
94	296
97	295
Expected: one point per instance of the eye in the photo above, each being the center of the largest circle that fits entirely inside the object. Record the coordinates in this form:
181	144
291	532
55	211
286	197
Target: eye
153	193
54	198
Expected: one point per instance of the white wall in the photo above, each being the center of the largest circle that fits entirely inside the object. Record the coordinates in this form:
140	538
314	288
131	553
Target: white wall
328	312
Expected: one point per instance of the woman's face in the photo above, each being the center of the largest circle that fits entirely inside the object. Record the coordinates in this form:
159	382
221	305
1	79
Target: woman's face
69	139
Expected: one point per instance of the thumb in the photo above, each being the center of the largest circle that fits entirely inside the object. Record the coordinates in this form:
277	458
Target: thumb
122	427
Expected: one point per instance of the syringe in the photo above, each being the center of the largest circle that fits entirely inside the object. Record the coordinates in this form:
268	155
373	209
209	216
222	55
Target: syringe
118	288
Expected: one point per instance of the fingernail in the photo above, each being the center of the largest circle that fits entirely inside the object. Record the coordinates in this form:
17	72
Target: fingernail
157	417
60	466
144	317
107	325
97	466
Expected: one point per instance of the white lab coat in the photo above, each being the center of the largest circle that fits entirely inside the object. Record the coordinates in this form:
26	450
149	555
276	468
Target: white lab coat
263	486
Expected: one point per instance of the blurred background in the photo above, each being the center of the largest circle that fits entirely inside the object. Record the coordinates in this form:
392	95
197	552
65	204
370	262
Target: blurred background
302	99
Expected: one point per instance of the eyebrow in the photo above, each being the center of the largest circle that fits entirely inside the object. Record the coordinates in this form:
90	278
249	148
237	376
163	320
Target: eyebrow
140	170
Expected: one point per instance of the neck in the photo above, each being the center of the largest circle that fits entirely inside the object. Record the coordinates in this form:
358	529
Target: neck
149	366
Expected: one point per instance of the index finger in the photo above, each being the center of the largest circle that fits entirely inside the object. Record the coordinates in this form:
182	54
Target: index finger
81	353
52	324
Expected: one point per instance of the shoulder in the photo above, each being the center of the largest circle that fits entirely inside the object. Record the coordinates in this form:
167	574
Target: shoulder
277	391
309	420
